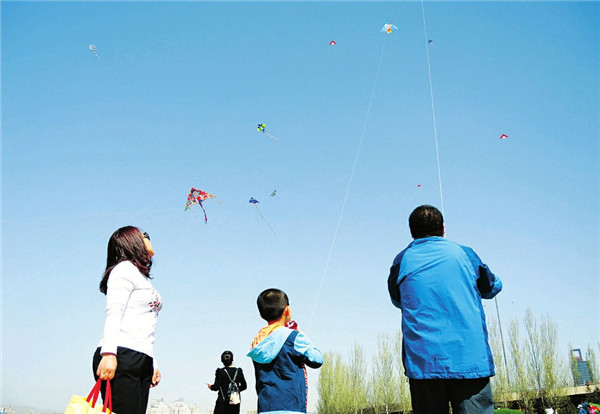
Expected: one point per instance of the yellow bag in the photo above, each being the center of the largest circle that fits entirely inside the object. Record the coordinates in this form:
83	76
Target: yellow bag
81	405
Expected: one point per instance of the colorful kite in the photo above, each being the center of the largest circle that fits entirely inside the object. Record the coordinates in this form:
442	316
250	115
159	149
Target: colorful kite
503	136
388	28
197	197
332	43
255	202
263	128
93	49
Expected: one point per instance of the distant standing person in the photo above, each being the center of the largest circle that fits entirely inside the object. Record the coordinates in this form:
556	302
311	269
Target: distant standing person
223	378
125	355
438	285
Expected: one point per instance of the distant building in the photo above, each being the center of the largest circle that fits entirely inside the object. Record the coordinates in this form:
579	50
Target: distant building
175	407
581	368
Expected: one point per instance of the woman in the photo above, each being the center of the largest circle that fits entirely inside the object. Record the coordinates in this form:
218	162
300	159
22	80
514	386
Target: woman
125	354
223	377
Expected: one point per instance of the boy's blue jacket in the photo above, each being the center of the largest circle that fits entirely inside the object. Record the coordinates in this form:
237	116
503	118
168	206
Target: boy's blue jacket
278	364
439	284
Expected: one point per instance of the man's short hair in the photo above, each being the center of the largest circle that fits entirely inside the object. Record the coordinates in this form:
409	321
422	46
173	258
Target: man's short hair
271	304
426	221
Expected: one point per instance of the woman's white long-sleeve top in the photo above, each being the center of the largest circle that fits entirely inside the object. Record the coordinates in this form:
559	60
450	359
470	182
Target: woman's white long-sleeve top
132	307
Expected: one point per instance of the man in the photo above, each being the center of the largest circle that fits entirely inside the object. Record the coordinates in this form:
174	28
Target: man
438	285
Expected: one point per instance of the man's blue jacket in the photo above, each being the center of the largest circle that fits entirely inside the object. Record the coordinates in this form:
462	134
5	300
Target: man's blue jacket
438	285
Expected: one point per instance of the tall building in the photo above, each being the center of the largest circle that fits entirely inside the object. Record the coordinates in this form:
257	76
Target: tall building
581	368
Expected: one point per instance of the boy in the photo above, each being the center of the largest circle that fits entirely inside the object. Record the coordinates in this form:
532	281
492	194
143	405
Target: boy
279	354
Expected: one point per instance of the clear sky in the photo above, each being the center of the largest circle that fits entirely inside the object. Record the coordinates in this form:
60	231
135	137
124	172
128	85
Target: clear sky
90	144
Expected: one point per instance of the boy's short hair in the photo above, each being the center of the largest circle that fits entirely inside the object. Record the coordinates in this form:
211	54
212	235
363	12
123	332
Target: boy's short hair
271	304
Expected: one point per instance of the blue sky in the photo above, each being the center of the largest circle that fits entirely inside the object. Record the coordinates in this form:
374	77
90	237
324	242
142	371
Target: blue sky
92	144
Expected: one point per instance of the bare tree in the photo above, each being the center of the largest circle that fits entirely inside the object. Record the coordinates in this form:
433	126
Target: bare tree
521	382
533	348
500	382
554	372
343	388
403	386
327	387
357	381
590	356
385	380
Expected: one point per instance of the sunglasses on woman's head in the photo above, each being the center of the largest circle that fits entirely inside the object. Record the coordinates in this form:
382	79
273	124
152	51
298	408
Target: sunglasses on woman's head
145	235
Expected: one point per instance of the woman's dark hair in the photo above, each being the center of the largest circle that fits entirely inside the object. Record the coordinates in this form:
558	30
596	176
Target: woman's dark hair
426	221
127	243
227	358
271	304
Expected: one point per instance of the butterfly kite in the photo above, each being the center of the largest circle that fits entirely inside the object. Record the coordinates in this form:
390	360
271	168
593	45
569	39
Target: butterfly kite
93	49
388	28
263	128
255	202
197	197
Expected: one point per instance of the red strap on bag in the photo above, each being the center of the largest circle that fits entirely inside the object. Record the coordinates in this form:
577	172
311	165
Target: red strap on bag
108	399
95	392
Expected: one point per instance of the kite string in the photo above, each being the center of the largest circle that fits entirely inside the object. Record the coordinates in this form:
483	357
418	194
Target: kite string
263	217
437	151
337	228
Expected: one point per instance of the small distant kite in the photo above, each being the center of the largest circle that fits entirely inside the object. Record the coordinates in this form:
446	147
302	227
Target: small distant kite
503	136
430	42
418	185
332	43
263	128
197	197
255	202
274	193
388	28
93	49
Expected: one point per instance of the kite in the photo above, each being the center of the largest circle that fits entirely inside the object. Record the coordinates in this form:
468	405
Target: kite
388	28
274	193
197	197
263	128
93	49
429	42
503	136
255	202
332	43
418	185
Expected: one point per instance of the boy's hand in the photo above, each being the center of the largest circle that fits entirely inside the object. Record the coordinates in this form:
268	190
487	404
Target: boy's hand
292	325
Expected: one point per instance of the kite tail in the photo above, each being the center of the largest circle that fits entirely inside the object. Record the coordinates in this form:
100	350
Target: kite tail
263	217
273	137
205	218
